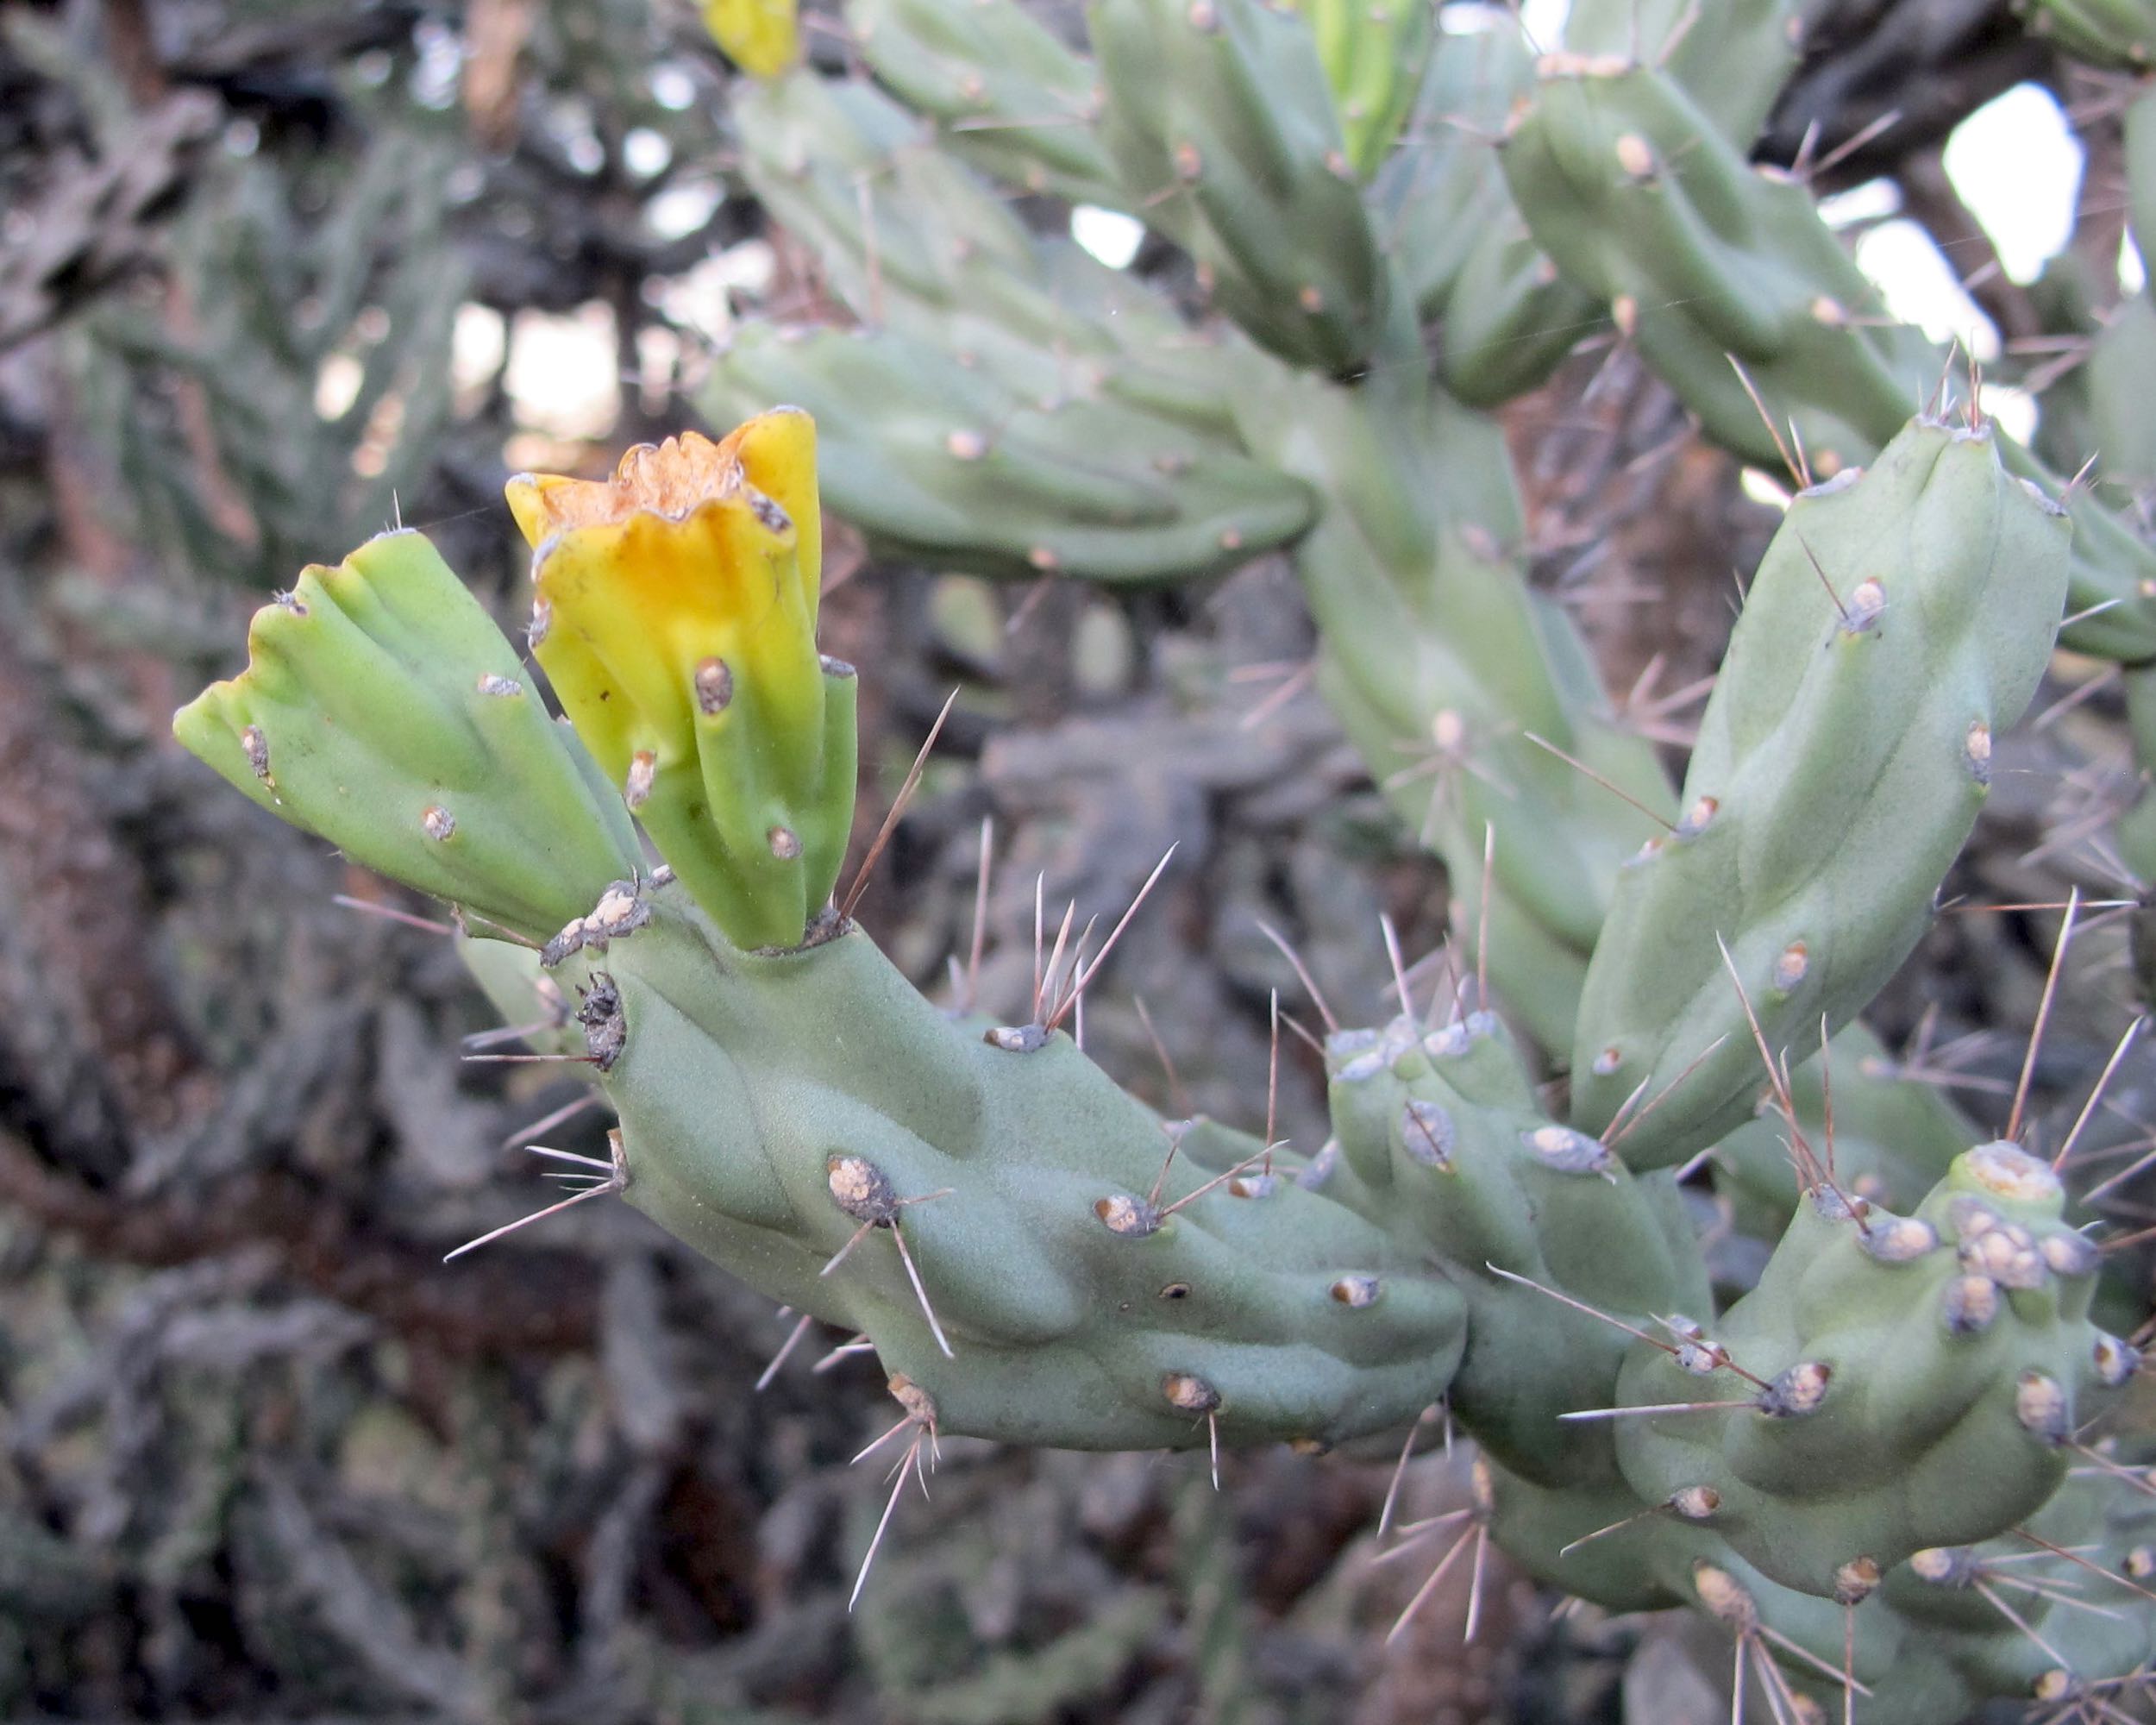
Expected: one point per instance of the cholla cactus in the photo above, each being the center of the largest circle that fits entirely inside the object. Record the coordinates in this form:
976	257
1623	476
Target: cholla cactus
1833	1463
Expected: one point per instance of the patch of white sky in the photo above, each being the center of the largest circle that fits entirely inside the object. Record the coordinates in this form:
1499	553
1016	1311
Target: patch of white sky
1109	234
1544	21
2016	166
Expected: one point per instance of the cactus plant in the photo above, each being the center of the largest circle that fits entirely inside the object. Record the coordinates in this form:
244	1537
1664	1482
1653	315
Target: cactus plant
1063	1266
1826	1462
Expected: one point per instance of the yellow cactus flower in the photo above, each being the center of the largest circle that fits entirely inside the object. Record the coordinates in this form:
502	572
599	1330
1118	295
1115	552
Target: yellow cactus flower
760	36
675	615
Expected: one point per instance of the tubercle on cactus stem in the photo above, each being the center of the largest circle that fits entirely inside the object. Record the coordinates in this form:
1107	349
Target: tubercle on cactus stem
858	1188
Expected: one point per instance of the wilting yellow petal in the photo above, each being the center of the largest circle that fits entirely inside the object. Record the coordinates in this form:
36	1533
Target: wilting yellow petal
636	605
777	453
675	615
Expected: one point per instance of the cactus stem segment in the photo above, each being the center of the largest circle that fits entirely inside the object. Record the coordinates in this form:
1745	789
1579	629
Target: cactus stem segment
616	1181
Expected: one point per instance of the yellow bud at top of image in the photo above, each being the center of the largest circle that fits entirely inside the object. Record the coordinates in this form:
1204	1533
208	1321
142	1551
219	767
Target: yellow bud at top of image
760	36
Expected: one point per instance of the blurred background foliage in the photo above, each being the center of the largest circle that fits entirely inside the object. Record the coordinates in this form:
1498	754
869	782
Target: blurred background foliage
276	276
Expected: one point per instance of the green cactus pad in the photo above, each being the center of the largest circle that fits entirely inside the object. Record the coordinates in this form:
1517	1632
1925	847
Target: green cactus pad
1439	1131
382	709
1913	1380
1732	59
1442	188
1220	122
1897	622
1007	98
960	469
1373	57
1441	661
773	1107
